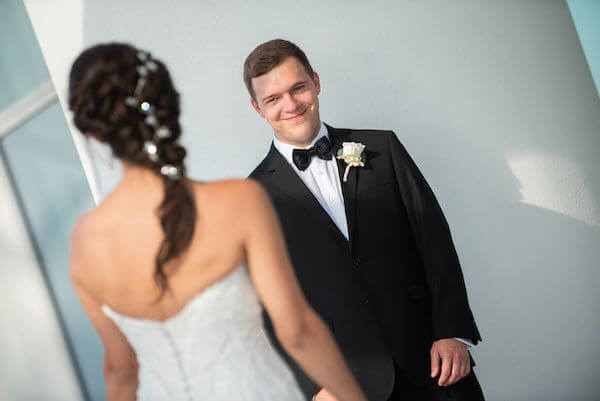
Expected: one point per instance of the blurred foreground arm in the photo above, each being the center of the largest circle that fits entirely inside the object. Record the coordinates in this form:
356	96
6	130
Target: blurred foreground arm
298	328
120	362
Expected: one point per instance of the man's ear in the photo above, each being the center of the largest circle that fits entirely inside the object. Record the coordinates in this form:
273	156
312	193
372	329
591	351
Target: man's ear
255	106
317	81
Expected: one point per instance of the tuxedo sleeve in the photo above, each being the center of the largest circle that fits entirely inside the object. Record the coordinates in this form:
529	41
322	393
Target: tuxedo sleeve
451	314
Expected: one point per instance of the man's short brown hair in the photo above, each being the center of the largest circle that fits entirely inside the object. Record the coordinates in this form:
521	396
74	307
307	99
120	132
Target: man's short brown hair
269	55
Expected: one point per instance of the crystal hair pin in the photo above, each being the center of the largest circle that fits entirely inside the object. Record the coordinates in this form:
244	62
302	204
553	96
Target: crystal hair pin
160	131
170	171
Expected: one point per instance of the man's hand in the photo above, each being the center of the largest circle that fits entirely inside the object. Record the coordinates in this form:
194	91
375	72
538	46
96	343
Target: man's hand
455	361
324	395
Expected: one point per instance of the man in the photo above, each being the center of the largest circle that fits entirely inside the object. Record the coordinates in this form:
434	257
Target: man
368	240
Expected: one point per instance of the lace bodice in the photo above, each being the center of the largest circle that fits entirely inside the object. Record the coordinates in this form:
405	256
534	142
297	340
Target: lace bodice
213	349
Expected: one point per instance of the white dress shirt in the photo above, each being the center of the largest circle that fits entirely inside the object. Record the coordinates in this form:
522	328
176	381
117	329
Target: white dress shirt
323	180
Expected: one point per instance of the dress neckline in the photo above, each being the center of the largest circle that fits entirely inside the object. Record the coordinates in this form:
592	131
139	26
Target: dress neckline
182	311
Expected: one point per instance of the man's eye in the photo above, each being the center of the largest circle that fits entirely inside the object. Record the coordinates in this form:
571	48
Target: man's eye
270	100
299	88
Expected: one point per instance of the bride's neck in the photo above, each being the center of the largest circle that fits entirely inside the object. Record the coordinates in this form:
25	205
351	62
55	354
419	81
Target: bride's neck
136	175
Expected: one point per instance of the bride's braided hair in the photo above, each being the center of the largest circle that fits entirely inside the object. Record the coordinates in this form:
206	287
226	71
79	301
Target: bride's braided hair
124	98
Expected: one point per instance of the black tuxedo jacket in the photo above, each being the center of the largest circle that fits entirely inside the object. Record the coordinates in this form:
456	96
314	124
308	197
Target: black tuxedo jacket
396	285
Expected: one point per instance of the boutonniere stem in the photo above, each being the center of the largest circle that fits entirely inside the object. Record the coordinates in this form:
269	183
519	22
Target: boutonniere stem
353	154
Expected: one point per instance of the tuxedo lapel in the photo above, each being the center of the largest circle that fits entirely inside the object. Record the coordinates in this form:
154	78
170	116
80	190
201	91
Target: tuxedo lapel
349	188
287	181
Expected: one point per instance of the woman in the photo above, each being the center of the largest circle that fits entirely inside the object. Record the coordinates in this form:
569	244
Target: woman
171	271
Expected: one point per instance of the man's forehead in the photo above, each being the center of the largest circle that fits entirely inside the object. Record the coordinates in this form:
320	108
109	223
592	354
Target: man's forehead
281	76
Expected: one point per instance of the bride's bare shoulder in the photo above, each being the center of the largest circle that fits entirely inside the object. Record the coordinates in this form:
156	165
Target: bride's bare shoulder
85	250
227	191
231	197
90	248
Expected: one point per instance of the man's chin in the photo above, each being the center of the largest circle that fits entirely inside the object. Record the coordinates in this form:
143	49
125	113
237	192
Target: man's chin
305	136
304	129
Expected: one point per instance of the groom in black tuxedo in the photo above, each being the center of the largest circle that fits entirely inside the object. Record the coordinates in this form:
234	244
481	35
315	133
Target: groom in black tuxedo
367	238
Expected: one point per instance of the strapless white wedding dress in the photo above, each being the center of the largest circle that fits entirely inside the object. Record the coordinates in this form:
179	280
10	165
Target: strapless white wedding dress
214	349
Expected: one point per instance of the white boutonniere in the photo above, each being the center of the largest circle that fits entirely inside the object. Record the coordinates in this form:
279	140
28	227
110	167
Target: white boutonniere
353	154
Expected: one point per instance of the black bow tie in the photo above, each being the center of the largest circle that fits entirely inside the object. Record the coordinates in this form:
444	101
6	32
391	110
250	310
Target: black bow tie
302	157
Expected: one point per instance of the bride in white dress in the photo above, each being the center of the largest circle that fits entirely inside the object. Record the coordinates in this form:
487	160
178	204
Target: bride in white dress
174	273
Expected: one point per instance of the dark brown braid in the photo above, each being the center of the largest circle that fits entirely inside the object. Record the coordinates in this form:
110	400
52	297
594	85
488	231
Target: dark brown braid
101	78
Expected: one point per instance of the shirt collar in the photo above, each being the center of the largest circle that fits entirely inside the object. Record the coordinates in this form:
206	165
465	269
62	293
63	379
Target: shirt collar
286	149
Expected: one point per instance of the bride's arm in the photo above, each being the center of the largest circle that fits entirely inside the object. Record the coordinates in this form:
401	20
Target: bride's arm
299	329
120	362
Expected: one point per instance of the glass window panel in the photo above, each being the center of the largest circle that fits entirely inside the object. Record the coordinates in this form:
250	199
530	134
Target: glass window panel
22	68
53	191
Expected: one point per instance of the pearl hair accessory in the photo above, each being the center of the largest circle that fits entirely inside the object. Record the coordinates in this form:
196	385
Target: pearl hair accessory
160	131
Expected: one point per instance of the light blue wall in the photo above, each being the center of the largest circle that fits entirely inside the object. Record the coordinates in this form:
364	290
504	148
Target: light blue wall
586	16
50	184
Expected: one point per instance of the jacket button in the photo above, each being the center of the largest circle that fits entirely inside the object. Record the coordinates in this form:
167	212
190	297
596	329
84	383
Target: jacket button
357	262
367	301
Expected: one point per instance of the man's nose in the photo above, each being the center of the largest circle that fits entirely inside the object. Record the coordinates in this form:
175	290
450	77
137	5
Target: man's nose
289	103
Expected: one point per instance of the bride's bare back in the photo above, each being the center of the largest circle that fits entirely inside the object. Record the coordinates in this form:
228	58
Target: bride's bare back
124	235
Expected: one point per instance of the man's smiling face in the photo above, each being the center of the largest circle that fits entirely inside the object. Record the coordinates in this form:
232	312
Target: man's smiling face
287	97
